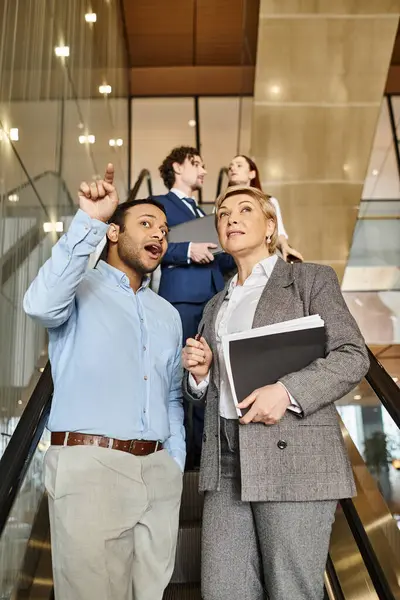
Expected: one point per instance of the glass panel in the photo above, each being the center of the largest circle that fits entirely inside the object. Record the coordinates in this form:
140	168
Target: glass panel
158	125
373	444
377	439
17	532
382	180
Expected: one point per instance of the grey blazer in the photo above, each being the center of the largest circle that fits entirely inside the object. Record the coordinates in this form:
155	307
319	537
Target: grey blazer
313	464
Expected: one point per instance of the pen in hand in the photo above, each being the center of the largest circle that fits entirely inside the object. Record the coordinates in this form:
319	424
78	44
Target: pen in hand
199	335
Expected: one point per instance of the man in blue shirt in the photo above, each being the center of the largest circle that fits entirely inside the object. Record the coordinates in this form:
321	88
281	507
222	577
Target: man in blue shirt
114	469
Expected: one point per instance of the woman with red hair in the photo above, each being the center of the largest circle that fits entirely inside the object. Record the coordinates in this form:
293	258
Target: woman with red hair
243	171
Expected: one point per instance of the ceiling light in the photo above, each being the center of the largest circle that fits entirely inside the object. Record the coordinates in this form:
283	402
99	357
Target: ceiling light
111	142
87	139
346	167
395	379
13	197
275	89
119	142
61	51
90	17
19	401
105	89
192	123
80	126
357	397
14	134
58	226
41	369
375	172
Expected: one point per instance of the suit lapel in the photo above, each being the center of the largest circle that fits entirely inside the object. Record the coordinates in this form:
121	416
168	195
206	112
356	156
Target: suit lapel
275	301
181	205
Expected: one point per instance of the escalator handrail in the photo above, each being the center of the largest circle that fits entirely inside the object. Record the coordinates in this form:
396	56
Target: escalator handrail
384	387
144	174
22	445
38	177
223	171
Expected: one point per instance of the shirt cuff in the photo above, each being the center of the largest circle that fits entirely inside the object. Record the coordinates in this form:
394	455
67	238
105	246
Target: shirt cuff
294	406
85	228
198	388
188	253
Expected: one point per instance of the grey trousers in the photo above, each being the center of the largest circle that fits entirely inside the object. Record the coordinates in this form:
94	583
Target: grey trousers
259	550
113	522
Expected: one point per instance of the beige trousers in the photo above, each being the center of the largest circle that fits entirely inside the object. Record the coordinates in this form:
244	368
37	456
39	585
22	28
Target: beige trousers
114	522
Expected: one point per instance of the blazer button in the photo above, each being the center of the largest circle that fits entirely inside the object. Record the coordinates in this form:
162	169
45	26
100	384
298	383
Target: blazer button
204	437
282	444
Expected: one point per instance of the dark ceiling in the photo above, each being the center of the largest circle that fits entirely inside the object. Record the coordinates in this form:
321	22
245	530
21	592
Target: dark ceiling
191	46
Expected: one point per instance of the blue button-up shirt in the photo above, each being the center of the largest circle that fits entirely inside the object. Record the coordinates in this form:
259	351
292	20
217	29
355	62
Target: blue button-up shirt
115	355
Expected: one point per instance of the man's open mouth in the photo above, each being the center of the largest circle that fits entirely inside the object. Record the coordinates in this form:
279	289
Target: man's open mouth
153	250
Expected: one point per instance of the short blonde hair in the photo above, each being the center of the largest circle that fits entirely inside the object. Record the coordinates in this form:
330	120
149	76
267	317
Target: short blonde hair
263	200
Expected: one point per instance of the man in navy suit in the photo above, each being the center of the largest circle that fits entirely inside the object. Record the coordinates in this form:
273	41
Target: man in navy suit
190	273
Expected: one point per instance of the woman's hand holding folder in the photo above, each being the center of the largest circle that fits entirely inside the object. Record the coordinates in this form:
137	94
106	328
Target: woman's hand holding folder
268	405
197	358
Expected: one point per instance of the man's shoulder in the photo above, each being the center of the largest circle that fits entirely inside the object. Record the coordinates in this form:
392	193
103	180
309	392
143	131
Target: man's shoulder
164	197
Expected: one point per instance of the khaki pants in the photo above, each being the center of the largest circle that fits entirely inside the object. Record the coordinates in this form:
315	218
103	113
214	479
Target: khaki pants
114	522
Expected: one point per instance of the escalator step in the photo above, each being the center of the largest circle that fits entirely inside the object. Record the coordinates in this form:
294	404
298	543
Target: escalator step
188	553
182	591
192	500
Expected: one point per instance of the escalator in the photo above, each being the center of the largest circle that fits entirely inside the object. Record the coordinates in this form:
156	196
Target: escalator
364	558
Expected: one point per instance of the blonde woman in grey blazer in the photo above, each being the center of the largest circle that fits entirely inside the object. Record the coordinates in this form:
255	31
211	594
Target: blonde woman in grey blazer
271	480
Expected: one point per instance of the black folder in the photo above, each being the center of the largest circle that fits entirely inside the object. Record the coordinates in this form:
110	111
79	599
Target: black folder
259	361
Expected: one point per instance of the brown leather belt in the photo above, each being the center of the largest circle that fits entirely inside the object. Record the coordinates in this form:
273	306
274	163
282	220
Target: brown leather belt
136	447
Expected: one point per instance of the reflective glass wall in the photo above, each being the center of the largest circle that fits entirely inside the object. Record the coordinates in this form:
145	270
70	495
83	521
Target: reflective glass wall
223	126
57	128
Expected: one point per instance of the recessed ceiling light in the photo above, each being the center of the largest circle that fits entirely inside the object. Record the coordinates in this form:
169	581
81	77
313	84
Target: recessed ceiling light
90	17
111	142
105	89
13	198
275	89
62	51
120	142
14	134
357	397
192	123
346	167
375	172
58	226
87	139
19	401
395	379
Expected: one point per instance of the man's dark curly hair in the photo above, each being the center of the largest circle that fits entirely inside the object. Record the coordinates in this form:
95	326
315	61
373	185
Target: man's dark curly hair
177	155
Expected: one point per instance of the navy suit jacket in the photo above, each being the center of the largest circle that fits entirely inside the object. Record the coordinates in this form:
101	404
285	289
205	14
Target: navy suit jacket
182	281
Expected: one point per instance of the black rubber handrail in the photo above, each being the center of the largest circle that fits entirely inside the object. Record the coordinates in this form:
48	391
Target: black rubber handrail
38	177
22	445
143	175
223	171
334	580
